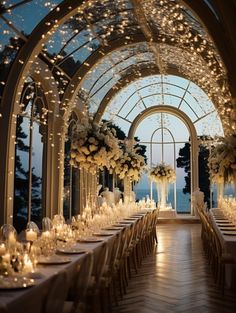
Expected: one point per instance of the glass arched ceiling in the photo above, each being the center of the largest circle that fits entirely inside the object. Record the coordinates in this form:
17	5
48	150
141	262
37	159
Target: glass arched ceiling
134	59
96	25
164	90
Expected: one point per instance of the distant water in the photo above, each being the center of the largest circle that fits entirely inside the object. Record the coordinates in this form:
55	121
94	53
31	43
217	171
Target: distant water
182	200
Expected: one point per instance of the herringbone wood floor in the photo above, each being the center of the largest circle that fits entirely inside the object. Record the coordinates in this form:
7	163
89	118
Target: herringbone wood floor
176	278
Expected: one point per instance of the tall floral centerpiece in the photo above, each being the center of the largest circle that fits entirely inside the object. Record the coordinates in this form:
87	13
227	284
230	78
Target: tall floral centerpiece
94	146
217	176
163	175
222	161
129	166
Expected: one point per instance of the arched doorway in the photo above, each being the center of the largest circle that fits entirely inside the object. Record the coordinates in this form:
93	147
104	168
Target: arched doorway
192	132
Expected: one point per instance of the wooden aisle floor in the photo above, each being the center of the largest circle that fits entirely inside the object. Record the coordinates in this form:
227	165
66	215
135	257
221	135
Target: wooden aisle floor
176	278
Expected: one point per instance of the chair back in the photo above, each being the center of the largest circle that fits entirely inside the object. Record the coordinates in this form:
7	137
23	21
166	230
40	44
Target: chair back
57	294
114	251
100	263
80	287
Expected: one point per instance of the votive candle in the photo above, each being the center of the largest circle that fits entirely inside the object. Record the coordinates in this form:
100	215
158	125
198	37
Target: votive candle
31	235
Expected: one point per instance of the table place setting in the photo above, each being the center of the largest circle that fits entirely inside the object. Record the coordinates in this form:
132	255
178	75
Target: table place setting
53	260
15	282
90	239
103	234
113	228
70	250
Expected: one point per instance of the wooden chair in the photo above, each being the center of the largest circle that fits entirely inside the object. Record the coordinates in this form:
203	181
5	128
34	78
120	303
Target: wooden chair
76	301
220	260
93	301
108	290
56	295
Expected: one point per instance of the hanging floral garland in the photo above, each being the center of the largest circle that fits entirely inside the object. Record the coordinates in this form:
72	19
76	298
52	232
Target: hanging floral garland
163	173
94	146
130	164
222	161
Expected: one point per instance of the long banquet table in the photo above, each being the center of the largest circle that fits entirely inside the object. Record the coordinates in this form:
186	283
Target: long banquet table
31	299
227	238
228	241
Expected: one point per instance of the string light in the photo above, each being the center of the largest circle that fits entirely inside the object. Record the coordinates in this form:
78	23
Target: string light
180	41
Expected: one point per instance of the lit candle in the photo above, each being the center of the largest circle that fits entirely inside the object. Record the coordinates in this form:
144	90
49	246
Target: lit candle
6	258
11	239
59	228
28	266
31	235
2	249
46	234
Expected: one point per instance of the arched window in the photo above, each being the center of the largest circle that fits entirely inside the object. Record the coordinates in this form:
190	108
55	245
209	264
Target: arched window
30	156
164	137
71	200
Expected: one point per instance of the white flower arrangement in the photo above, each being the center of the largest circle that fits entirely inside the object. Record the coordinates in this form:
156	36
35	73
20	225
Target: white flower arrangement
94	146
214	170
162	173
130	164
222	162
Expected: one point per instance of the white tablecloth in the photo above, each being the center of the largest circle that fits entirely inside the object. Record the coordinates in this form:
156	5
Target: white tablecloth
228	242
30	300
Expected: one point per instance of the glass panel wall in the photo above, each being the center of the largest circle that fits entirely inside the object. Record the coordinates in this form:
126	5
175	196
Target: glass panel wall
30	154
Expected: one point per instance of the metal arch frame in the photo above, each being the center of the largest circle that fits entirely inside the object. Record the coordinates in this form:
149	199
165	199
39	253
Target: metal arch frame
12	90
125	81
80	75
126	70
54	127
192	131
168	94
217	31
33	120
44	27
115	65
132	77
19	69
61	16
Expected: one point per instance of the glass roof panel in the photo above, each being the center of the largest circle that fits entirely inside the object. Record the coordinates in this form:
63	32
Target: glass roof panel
172	100
197	106
22	17
177	39
171	88
209	126
133	112
6	35
69	36
113	68
153	100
